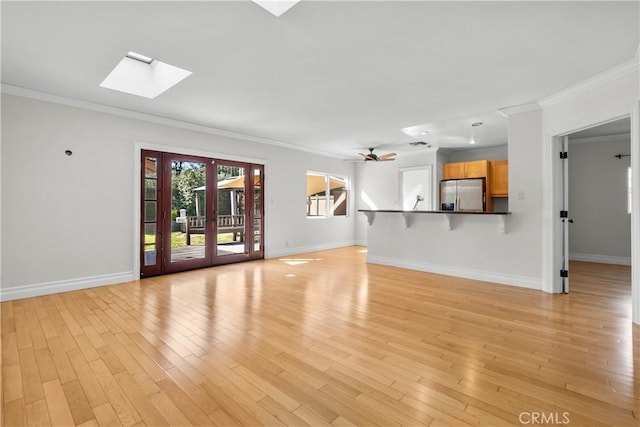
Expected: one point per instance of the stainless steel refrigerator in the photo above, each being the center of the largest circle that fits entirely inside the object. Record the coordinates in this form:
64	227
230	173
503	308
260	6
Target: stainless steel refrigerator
463	195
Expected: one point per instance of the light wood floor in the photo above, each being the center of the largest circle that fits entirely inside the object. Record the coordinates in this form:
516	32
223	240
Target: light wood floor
321	339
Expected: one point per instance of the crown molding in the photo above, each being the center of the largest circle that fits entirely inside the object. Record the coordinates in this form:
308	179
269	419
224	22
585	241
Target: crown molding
518	109
497	148
593	82
457	150
72	102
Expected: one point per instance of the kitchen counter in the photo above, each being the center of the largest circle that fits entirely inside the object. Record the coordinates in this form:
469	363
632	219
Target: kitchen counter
408	216
438	212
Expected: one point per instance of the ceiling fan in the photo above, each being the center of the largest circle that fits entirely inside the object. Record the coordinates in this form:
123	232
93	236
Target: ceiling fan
374	157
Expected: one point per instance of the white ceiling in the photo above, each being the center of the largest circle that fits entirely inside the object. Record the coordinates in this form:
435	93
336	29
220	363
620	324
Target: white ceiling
327	75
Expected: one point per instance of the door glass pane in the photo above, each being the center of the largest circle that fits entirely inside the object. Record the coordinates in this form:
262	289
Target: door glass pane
257	210
188	210
150	203
150	167
150	211
150	230
150	233
150	189
149	255
230	210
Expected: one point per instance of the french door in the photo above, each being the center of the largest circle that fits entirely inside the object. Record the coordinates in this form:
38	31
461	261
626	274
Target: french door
199	212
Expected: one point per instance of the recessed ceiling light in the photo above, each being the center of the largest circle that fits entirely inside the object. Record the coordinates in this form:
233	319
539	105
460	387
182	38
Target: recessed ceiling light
476	124
276	7
143	76
472	141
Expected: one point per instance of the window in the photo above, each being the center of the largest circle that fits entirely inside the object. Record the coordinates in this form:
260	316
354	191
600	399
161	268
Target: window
415	188
327	195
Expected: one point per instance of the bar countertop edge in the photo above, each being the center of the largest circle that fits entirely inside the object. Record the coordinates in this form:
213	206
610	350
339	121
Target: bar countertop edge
437	212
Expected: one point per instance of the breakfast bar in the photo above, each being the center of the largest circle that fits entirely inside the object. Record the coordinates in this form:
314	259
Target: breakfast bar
469	244
409	216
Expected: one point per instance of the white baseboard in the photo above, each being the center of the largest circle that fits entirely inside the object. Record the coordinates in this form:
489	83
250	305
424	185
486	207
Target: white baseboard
486	276
601	259
303	249
39	289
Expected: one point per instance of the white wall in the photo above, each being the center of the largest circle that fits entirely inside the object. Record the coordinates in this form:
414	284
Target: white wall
442	158
474	247
601	231
68	221
79	209
594	104
377	186
493	153
603	98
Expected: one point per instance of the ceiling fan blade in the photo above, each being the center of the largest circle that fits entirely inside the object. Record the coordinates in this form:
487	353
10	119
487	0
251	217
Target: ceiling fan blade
387	156
367	157
388	159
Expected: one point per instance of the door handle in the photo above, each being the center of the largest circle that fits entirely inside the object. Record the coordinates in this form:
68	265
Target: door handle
571	221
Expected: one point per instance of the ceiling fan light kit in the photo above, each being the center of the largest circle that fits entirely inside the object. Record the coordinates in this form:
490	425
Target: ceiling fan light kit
374	157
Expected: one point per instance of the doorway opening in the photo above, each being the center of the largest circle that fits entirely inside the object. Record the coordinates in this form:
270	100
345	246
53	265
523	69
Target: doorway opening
198	212
595	216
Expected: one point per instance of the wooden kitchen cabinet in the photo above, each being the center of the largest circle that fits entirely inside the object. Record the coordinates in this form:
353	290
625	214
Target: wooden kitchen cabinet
473	169
461	170
500	178
476	169
453	170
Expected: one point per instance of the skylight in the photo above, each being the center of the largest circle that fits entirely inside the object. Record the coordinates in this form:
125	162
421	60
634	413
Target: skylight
139	57
276	7
143	76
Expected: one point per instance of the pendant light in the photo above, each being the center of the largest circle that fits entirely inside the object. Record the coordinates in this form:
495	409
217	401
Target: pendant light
474	125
